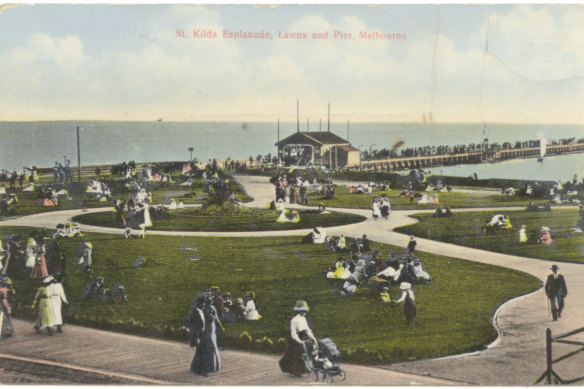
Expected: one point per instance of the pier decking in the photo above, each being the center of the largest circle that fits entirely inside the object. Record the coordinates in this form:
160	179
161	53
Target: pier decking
500	155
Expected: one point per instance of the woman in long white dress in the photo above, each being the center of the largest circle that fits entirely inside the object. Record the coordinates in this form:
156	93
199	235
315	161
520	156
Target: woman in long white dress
56	298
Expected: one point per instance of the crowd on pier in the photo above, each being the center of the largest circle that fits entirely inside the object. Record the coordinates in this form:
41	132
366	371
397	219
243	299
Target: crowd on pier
429	151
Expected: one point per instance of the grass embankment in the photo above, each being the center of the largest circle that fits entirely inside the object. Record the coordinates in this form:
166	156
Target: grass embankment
447	199
454	312
466	229
193	219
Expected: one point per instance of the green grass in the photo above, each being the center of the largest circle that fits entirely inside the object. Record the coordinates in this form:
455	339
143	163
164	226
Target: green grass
162	193
466	229
29	203
447	199
454	312
192	219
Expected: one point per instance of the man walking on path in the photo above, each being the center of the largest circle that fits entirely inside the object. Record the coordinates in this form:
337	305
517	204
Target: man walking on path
556	290
412	245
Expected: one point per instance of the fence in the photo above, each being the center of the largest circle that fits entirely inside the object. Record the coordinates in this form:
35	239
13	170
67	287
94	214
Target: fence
550	376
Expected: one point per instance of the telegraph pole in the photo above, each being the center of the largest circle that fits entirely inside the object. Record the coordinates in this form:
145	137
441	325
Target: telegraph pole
78	158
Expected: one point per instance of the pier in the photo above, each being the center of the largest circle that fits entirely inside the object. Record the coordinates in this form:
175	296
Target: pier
491	156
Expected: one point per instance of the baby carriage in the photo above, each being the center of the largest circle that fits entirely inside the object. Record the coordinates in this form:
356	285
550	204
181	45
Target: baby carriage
324	362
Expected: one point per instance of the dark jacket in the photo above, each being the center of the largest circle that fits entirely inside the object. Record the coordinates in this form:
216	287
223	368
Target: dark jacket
554	286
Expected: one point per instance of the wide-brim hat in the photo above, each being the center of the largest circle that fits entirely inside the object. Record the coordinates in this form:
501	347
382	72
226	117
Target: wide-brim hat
300	306
48	279
554	267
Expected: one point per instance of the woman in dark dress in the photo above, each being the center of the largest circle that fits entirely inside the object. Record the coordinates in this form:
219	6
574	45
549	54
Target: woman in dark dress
299	332
202	325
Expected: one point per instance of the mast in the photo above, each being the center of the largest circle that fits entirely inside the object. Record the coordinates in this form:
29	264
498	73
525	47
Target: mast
78	158
297	116
278	130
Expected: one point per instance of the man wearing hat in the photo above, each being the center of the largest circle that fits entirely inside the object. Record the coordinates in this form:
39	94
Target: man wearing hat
556	291
412	245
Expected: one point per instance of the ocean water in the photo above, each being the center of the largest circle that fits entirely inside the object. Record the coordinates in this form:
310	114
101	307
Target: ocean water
43	143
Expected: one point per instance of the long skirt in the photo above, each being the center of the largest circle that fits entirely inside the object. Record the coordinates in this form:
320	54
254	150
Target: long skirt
40	268
206	359
43	314
292	361
6	328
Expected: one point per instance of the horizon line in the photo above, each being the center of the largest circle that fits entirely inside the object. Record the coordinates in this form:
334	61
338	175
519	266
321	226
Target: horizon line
294	122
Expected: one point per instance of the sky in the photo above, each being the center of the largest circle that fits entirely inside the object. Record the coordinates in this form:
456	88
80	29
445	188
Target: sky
461	63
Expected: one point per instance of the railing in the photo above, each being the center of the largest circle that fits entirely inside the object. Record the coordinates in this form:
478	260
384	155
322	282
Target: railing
550	376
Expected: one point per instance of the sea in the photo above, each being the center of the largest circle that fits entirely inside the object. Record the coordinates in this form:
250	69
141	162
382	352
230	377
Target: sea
43	143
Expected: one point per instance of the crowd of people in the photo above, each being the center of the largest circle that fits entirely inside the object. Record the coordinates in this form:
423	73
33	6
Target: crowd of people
367	269
427	151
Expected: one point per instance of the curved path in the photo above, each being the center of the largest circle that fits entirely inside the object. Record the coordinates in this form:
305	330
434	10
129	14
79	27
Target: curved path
517	357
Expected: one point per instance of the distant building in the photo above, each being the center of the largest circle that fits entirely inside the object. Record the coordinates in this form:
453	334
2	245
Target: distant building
324	148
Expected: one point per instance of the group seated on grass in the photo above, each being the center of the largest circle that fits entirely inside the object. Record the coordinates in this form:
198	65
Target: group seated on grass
497	222
232	309
366	268
442	212
96	289
501	222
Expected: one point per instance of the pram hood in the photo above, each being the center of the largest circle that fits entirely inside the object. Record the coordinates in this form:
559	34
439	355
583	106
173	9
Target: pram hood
329	350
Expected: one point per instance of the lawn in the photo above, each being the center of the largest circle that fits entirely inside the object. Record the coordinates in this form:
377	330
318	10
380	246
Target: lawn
193	219
162	193
447	199
466	229
454	312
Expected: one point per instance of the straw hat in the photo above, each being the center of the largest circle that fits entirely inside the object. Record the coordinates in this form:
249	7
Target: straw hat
301	305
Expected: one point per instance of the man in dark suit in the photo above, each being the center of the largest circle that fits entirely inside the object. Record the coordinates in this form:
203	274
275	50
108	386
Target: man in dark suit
411	245
556	290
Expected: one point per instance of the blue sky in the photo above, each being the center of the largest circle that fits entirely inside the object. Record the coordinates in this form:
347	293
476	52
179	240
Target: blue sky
115	62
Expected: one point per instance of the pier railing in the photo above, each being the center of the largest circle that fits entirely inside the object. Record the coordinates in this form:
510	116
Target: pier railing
550	376
497	155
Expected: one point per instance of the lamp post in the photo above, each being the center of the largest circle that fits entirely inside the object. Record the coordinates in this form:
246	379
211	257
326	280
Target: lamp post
191	150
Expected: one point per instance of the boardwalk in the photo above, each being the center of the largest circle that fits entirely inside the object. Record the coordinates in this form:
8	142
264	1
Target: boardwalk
517	357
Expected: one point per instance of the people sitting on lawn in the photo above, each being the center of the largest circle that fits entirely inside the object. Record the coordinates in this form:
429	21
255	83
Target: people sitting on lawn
349	287
531	207
546	236
251	312
317	236
68	230
390	273
429	199
498	221
442	212
508	191
292	217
